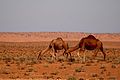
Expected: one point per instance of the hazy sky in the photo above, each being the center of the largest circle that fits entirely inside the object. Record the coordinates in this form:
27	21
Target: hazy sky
99	16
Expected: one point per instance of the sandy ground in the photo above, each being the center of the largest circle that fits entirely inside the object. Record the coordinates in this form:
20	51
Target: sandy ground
19	61
19	52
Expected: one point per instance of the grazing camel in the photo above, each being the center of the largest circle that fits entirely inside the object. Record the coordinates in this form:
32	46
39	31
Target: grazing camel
88	43
55	44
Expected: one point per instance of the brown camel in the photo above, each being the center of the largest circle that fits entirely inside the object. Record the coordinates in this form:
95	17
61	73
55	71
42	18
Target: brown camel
55	44
88	43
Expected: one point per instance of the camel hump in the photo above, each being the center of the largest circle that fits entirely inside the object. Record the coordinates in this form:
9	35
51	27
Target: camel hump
91	37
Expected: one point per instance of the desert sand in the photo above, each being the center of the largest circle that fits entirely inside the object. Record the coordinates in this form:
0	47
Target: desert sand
19	52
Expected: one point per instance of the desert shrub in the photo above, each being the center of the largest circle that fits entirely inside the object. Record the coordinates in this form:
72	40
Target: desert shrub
94	75
71	78
44	73
50	60
62	64
48	77
102	66
59	78
62	67
29	70
16	58
4	70
61	59
46	65
88	64
80	69
113	66
55	73
22	59
26	74
7	58
31	62
72	59
112	78
14	77
69	63
116	61
7	64
100	78
81	79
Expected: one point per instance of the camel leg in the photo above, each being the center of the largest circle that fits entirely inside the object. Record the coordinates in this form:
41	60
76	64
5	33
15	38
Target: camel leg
39	56
95	54
53	56
43	52
103	52
70	54
84	52
78	54
81	50
65	54
53	53
84	56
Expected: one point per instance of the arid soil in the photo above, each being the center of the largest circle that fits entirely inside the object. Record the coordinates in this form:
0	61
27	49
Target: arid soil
18	60
48	36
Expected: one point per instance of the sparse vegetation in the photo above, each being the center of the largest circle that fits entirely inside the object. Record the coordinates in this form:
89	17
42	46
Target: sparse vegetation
112	78
44	73
88	64
81	79
55	73
102	66
71	78
5	70
19	60
113	66
80	69
100	78
46	65
94	75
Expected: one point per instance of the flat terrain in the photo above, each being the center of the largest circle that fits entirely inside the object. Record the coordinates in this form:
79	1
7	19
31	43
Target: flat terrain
19	60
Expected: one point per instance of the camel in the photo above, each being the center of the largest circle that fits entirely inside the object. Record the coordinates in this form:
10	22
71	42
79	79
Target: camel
88	43
55	45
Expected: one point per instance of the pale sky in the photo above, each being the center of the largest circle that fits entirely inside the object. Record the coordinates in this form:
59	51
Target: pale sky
94	16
